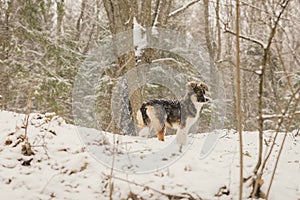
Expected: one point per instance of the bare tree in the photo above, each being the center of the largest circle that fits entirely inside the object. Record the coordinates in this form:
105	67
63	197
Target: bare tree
238	97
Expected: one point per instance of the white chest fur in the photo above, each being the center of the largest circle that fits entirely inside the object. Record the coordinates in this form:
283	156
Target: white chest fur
181	135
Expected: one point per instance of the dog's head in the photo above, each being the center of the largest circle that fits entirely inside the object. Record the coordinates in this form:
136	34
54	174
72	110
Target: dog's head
198	90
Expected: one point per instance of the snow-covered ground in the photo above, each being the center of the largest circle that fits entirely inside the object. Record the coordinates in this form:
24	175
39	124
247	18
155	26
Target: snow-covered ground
74	163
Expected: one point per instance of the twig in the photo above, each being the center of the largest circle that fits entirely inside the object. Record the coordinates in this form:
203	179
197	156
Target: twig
279	116
169	196
50	179
280	121
284	67
26	123
124	65
28	110
250	39
281	147
111	184
261	165
182	8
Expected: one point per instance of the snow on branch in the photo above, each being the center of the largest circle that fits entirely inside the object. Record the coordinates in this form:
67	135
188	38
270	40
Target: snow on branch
182	8
276	116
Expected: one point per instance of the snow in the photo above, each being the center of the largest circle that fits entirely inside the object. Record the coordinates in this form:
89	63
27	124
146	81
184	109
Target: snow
66	163
258	72
139	37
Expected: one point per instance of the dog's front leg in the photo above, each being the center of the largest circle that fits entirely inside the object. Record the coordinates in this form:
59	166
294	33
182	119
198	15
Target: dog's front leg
181	137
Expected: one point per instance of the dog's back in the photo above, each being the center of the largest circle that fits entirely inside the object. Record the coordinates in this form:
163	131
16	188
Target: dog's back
168	110
159	113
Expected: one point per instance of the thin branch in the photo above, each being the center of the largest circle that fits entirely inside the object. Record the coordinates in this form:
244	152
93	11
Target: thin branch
278	116
281	146
284	70
261	164
48	182
79	20
280	121
250	39
263	66
155	15
169	196
249	70
219	50
207	30
86	49
279	124
182	8
255	7
289	42
120	70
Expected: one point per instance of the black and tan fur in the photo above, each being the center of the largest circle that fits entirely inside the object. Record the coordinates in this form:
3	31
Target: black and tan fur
177	114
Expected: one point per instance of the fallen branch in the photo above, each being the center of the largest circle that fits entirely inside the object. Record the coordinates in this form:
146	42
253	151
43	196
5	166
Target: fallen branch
169	196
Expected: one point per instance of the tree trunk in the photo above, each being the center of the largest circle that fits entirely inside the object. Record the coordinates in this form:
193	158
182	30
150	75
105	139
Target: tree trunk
238	97
120	14
60	7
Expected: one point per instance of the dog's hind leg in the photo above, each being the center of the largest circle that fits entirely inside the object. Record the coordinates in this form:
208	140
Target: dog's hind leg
157	116
161	134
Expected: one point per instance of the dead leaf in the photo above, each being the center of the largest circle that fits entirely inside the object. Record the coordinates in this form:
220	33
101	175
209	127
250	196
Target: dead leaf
26	149
52	131
247	154
8	142
222	191
63	149
84	166
8	181
27	162
187	168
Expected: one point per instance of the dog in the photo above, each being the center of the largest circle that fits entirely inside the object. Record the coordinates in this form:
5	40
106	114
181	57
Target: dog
157	114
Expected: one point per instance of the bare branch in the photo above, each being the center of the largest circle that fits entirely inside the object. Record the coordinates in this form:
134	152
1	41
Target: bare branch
169	196
282	144
280	116
261	164
182	8
250	39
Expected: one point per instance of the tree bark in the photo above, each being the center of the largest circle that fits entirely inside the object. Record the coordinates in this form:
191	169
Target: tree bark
238	96
79	20
60	7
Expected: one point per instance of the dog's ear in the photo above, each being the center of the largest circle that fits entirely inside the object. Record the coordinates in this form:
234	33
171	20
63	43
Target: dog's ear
190	86
203	86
